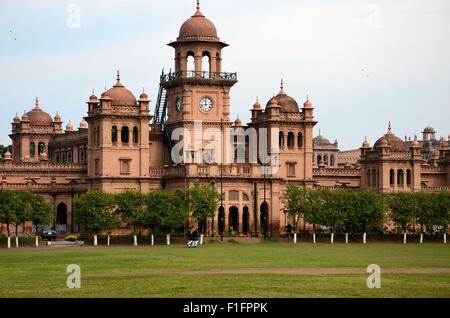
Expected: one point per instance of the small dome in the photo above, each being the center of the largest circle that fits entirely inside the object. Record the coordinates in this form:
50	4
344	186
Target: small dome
391	140
83	124
287	103
16	118
57	117
119	95
8	156
272	102
143	96
93	97
429	129
69	126
25	117
257	105
38	117
308	104
321	140
238	122
365	143
198	26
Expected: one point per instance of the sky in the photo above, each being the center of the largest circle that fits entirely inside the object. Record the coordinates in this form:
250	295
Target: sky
363	63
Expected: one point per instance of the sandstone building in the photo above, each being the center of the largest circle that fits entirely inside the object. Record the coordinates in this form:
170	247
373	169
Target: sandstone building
125	143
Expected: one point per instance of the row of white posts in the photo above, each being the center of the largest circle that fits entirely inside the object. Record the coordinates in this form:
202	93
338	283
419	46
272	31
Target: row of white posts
364	238
135	240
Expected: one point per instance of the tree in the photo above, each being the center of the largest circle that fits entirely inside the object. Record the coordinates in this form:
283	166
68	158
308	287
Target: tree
370	208
131	206
166	211
442	205
23	207
313	216
8	207
404	209
297	202
96	211
41	211
203	201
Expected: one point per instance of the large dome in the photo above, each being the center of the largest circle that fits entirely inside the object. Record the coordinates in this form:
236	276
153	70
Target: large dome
38	117
120	95
287	103
396	143
197	27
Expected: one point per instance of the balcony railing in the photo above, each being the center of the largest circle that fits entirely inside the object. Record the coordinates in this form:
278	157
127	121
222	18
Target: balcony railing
201	75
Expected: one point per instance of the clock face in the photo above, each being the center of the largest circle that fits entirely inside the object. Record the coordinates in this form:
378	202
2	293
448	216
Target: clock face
178	105
206	104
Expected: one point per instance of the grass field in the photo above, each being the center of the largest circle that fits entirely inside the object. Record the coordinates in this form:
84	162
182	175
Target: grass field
229	270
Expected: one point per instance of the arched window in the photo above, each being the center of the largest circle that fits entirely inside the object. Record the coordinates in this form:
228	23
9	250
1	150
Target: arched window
125	135
206	64
233	196
325	159
41	148
69	156
114	134
281	139
57	158
374	178
391	177
32	149
319	159
300	140
408	177
190	64
400	176
135	135
63	158
332	161
290	140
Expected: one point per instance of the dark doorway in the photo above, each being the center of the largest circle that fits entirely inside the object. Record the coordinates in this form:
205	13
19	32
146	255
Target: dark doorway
202	226
245	220
233	221
61	218
221	225
264	217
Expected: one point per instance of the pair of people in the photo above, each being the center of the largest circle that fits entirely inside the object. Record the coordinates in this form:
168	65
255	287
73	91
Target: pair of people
192	238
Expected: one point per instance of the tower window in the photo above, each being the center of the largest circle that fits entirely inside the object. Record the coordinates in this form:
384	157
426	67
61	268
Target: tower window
300	140
281	139
125	166
125	135
291	140
206	64
32	149
291	170
41	148
135	135
114	134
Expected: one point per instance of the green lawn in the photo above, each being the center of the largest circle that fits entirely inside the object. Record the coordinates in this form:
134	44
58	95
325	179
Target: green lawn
177	271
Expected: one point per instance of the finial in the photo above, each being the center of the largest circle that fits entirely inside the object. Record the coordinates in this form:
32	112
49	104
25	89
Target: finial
93	93
37	102
198	4
389	127
118	76
366	139
257	99
282	84
307	96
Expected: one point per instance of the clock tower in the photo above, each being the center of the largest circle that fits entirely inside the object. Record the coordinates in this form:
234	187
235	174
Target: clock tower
197	90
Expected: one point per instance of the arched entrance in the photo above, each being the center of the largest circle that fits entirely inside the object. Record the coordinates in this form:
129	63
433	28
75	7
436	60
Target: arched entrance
245	220
221	220
264	217
233	218
61	218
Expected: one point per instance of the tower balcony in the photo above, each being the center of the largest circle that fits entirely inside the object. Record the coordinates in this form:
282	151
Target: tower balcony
194	77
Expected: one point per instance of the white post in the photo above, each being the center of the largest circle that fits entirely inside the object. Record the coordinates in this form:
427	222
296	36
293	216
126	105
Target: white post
346	238
295	238
421	238
168	239
17	241
37	241
445	238
95	240
314	238
332	238
201	239
49	243
153	240
109	240
9	242
135	240
365	238
404	238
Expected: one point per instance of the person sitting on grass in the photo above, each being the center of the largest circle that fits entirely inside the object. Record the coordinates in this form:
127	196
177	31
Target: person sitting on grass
190	240
195	238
